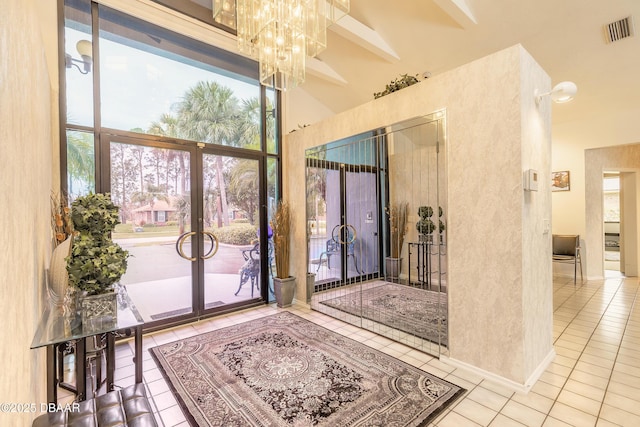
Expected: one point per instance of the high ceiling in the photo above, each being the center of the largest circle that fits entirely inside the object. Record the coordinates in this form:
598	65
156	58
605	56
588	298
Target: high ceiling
381	40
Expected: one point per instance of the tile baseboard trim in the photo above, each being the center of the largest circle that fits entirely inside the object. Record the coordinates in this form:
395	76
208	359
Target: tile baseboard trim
505	382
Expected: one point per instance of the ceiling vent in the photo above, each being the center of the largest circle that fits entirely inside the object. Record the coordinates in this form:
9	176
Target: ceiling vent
619	30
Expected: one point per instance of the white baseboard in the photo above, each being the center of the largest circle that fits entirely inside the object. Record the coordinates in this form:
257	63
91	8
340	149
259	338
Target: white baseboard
505	382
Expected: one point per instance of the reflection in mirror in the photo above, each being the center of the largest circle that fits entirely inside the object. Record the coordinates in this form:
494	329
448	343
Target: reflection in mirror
376	224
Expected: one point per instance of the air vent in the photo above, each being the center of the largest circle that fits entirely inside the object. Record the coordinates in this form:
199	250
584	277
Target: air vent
619	30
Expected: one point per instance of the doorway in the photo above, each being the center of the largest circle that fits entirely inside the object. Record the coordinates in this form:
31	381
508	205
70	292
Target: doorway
611	204
191	221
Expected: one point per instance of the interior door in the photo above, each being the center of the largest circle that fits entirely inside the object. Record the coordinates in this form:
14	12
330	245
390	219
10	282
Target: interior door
189	219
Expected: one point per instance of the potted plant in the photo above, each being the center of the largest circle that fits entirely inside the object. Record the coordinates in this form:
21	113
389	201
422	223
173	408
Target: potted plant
95	263
284	284
397	214
403	81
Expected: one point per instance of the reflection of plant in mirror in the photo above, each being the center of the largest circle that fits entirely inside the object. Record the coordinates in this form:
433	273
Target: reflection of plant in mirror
400	83
425	212
397	214
425	226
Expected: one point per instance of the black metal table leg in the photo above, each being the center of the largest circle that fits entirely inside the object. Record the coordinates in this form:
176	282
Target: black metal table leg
138	353
111	360
52	376
81	368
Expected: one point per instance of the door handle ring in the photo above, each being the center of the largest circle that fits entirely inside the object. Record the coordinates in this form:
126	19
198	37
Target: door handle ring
180	243
214	245
351	239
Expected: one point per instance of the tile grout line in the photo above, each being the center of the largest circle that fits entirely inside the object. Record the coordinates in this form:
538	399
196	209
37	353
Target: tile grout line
555	400
633	304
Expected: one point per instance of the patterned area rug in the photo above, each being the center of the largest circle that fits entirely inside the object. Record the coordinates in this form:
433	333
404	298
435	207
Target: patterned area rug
416	311
283	370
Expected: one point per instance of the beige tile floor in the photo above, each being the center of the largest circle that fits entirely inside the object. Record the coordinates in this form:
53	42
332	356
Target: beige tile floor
593	381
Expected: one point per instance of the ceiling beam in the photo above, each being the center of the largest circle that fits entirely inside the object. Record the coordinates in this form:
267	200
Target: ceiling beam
321	70
358	33
459	10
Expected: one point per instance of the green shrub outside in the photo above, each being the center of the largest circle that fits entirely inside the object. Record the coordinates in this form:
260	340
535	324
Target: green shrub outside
237	234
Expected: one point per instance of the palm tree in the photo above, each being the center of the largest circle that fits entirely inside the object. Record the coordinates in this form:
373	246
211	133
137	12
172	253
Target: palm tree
244	186
249	128
169	126
80	159
208	112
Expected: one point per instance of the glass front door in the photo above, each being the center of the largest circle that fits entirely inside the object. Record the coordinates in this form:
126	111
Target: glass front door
190	221
231	223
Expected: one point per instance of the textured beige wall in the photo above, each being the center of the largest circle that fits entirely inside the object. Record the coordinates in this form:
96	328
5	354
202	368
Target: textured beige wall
493	227
25	183
537	301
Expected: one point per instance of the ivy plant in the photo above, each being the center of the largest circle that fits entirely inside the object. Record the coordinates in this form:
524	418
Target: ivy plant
95	262
403	81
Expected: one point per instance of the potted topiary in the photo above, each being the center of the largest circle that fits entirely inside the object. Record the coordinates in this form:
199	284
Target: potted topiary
95	263
284	284
425	225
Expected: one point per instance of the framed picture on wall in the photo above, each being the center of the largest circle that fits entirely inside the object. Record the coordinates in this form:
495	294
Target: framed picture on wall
560	181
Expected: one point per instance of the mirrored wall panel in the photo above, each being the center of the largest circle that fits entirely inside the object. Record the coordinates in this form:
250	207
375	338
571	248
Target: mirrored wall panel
376	226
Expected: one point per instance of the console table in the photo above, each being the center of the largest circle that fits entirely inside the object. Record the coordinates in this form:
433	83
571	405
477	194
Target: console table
55	329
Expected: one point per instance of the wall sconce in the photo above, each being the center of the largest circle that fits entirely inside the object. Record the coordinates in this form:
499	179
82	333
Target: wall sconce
561	93
85	50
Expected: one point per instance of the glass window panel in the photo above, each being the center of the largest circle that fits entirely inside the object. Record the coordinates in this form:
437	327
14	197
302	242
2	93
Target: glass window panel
273	193
155	81
81	168
79	71
272	120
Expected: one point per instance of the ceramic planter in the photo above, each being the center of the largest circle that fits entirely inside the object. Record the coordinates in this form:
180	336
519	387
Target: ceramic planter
311	284
284	290
392	268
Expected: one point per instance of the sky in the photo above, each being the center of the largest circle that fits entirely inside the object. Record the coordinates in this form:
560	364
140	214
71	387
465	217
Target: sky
137	87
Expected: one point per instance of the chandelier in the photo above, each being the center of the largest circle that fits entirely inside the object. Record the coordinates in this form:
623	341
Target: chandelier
280	34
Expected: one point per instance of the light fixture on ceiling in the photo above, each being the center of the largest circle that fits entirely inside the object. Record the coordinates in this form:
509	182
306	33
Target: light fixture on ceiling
85	50
561	93
280	34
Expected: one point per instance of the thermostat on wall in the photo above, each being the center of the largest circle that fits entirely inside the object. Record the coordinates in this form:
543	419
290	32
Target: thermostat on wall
531	180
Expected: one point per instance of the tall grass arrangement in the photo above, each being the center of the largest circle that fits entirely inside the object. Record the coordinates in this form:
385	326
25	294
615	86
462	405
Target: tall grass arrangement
61	223
281	226
397	226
